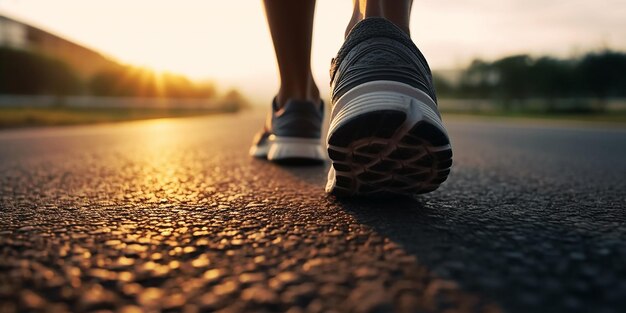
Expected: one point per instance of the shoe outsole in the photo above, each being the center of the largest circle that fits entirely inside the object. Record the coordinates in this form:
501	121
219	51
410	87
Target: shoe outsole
401	150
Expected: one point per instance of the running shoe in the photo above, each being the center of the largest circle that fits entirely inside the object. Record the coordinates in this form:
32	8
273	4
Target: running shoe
291	134
386	133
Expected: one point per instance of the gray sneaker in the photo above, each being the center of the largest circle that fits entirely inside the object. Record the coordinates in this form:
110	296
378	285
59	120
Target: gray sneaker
386	134
291	133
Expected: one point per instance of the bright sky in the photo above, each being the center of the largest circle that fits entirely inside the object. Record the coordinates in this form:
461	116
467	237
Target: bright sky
228	41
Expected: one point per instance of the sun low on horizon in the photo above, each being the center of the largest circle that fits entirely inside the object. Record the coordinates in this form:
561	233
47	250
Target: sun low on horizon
229	42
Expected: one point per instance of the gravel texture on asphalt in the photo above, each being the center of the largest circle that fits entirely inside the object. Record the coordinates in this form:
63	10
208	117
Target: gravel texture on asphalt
172	215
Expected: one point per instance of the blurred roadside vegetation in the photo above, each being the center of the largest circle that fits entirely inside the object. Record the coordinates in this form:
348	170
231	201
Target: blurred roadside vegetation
546	85
582	87
29	73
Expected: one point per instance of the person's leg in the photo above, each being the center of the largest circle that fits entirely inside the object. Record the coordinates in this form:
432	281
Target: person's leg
293	129
291	26
396	11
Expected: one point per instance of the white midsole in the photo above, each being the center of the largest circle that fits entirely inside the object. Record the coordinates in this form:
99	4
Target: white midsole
278	148
383	86
384	95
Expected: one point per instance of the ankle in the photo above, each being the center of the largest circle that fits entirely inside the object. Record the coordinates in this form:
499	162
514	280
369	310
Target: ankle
309	93
376	8
283	97
356	19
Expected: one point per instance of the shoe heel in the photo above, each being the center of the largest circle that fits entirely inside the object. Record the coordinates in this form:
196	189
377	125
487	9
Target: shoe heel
386	138
295	149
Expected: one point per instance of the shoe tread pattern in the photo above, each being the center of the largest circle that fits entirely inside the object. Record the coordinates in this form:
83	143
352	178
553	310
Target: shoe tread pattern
374	154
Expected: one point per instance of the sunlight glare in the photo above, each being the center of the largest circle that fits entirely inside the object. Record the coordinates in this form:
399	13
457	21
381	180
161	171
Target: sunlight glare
229	41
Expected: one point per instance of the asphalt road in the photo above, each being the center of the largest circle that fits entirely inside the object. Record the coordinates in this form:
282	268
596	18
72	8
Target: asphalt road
172	215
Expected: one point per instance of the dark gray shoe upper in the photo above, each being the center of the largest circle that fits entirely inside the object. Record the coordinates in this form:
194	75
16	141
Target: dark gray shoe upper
297	118
301	119
376	49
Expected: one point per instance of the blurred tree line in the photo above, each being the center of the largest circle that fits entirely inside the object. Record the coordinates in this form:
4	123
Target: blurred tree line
28	73
129	81
597	75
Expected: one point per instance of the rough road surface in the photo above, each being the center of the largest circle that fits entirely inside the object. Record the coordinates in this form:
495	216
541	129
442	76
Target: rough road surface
171	215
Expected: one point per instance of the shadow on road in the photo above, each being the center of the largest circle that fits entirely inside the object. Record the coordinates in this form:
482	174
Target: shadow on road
438	242
313	173
529	251
408	221
523	266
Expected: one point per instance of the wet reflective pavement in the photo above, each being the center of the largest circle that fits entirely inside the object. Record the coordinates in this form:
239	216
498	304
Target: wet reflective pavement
171	215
